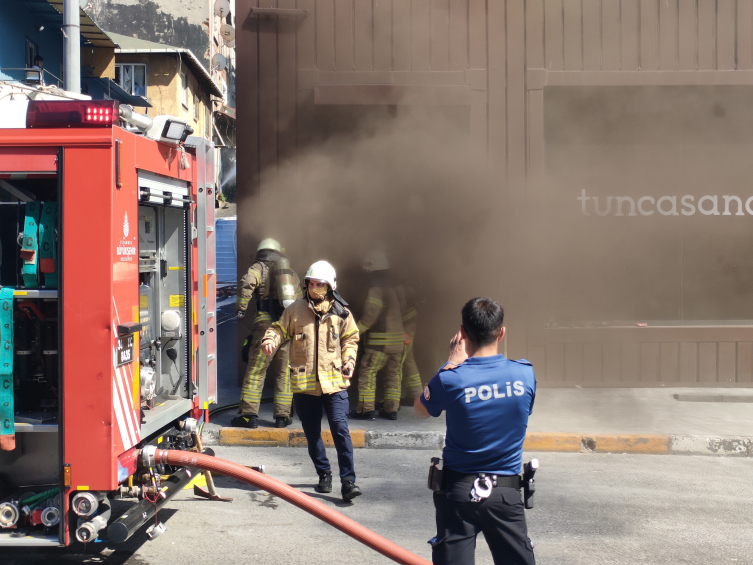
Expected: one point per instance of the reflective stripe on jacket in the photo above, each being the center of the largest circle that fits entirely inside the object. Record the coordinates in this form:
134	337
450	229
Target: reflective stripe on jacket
331	339
382	319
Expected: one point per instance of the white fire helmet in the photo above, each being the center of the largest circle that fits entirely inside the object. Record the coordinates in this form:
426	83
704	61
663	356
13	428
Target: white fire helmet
375	260
321	271
271	244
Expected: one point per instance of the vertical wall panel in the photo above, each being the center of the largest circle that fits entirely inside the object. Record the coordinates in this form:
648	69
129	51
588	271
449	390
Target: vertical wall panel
401	35
420	35
459	35
707	362
364	43
727	362
687	35
536	142
479	119
574	362
688	362
555	362
516	96
706	35
440	35
612	363
591	35
497	93
287	74
725	34
649	362
744	362
631	362
649	35
537	357
268	126
306	31
477	33
325	35
535	34
610	35
629	35
344	50
668	362
248	115
553	34
382	35
592	369
573	35
668	35
744	34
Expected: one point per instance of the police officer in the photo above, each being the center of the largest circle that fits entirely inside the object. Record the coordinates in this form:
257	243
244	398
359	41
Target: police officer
487	400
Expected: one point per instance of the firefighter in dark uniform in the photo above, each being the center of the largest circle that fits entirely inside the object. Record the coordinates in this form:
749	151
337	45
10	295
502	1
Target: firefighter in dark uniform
487	399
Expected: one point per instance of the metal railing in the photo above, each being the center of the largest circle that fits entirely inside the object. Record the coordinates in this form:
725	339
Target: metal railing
58	81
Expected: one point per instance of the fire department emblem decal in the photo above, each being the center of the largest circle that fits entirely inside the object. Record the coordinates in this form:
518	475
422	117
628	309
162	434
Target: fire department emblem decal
126	227
427	394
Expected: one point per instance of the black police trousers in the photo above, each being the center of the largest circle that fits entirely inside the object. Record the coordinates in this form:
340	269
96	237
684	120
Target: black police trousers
501	518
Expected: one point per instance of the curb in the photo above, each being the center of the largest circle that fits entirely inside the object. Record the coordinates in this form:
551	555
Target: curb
535	441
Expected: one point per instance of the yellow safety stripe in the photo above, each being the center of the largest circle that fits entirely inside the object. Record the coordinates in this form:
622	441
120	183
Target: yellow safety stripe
375	301
262	317
348	334
379	360
392	394
285	335
361	328
409	314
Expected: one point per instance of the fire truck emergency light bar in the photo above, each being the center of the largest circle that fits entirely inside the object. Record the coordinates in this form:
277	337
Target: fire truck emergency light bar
72	114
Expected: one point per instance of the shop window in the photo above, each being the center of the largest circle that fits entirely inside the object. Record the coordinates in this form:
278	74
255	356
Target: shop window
131	78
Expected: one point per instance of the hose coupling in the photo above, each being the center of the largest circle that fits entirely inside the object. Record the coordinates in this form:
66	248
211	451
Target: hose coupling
147	455
190	425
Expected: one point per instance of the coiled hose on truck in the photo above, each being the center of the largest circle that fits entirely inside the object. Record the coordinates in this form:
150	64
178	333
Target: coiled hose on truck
294	496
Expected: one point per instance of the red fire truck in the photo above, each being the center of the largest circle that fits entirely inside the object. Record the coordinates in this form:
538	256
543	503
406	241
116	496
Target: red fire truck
107	313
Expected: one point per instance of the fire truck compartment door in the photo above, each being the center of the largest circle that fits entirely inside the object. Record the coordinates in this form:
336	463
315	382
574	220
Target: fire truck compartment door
159	186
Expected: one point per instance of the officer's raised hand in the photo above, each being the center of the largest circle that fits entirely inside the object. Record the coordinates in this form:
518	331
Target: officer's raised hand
458	352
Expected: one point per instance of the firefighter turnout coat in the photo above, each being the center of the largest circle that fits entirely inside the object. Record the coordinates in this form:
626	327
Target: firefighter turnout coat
319	344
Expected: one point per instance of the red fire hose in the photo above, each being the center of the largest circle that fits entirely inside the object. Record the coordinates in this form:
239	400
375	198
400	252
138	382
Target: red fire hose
294	496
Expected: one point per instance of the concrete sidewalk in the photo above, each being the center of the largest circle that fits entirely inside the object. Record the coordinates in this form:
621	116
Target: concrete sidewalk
688	421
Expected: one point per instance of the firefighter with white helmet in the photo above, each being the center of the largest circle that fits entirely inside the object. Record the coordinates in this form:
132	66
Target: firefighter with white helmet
324	344
384	344
271	280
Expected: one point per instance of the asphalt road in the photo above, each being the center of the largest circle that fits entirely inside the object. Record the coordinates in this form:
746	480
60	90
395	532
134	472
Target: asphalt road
590	509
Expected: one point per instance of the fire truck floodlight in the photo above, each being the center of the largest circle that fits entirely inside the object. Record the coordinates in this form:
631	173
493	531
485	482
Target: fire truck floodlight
72	114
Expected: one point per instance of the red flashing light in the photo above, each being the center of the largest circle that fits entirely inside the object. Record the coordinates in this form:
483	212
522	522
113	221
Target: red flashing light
72	114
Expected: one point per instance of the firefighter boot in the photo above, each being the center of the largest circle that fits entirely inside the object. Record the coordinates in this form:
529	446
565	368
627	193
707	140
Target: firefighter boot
367	415
242	421
282	422
389	415
325	483
350	491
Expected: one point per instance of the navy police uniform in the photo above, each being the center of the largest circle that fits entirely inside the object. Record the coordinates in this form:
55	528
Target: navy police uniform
487	401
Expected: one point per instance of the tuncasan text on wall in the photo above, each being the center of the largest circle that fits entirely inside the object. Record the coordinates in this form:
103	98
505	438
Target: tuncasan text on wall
665	205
